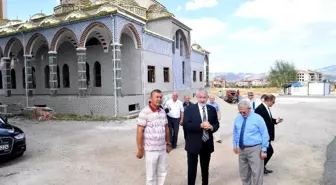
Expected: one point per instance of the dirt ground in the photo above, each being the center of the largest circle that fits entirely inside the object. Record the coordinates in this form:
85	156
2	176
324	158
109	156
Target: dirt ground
87	153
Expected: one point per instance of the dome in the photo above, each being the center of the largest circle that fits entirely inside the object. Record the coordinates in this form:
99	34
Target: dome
7	30
52	20
99	2
14	22
125	2
197	47
3	22
78	14
37	16
27	25
106	8
158	11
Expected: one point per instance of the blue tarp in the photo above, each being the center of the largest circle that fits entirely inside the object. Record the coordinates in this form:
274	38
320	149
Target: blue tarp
295	84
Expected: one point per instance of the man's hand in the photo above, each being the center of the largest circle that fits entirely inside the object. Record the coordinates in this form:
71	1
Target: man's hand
181	122
236	150
263	155
279	120
140	154
206	125
168	148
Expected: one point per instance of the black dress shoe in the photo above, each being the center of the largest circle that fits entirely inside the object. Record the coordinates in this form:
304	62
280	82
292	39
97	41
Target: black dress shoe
219	141
267	171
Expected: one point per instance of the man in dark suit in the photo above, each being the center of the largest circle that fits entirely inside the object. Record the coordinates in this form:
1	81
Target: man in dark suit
200	122
264	111
186	104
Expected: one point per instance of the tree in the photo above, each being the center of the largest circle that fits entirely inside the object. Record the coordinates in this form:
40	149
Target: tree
283	72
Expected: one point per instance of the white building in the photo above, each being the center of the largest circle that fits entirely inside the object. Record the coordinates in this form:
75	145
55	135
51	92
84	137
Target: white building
98	57
309	76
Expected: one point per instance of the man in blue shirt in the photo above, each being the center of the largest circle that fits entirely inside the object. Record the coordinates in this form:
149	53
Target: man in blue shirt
214	104
250	141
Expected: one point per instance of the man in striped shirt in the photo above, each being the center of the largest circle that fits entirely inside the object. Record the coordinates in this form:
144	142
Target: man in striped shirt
153	139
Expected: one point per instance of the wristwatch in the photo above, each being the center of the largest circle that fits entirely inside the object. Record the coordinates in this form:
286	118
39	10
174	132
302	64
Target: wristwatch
168	144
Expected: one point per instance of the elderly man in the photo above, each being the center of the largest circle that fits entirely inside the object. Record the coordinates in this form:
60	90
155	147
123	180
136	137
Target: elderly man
250	141
265	112
153	139
186	102
201	122
216	106
175	117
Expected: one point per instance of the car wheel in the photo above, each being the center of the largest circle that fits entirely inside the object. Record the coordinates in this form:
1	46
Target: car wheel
20	154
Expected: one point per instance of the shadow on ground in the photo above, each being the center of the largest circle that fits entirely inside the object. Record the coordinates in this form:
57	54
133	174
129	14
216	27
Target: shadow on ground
330	165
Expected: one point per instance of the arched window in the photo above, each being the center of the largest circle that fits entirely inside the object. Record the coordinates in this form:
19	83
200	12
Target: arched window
33	77
183	70
13	79
1	86
58	78
47	77
87	74
181	47
66	76
97	74
177	40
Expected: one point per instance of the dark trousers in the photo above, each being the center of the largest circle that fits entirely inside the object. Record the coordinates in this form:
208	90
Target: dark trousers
174	125
192	167
185	133
270	152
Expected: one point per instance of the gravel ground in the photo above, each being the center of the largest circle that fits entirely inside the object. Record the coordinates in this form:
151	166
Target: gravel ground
89	153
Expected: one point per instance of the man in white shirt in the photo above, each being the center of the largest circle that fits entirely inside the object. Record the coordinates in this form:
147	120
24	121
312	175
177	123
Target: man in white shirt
175	117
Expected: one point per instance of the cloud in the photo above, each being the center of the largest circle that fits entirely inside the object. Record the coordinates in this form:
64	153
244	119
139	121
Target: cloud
198	4
288	19
205	29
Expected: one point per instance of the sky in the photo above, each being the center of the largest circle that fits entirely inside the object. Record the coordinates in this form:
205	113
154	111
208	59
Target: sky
244	35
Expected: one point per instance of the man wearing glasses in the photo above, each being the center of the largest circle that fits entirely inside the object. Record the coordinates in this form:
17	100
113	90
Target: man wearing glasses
265	112
250	142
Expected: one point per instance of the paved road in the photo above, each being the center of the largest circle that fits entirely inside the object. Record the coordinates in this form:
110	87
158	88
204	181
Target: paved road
330	165
89	153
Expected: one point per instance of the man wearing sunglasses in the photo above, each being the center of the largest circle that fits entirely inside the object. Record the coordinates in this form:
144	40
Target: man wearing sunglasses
250	142
265	112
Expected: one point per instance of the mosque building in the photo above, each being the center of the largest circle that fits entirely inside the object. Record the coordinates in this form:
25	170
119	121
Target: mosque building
98	57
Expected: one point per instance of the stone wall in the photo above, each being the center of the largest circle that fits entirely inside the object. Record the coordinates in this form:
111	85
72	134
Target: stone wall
91	105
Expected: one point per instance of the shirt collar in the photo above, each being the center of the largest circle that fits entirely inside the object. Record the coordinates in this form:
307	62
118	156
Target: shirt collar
154	109
265	105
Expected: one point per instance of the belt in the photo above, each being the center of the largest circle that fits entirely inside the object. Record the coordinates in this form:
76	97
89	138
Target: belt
250	146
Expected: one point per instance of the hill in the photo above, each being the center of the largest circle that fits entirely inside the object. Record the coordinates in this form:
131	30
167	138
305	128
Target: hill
232	77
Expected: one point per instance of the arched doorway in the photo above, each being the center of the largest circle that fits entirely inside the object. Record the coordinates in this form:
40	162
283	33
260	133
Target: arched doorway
130	62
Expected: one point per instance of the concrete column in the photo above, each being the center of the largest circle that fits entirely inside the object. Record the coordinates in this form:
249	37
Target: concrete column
116	50
82	81
207	81
29	61
7	76
53	73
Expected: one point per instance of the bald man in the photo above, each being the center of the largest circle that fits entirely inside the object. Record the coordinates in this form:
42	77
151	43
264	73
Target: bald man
175	117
